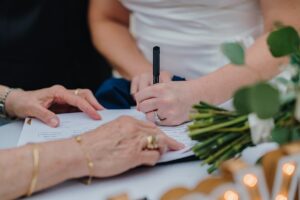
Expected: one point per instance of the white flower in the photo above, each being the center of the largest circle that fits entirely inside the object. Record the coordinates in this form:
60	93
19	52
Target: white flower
260	128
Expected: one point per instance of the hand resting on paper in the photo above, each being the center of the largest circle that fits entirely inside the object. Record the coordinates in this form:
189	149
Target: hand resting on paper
44	103
110	149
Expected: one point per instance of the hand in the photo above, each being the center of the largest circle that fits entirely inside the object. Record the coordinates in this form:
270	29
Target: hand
172	101
121	145
145	80
43	103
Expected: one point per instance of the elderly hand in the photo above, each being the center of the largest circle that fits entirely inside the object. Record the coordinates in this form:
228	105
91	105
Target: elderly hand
172	101
121	145
44	103
145	80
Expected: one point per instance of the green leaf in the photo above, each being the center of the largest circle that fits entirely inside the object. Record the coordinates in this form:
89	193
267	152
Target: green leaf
284	41
295	134
262	99
234	52
281	135
241	101
265	100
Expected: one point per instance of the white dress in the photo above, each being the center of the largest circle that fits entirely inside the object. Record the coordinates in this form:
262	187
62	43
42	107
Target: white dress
190	32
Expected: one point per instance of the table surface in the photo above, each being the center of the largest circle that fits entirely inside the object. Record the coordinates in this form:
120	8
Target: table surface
142	182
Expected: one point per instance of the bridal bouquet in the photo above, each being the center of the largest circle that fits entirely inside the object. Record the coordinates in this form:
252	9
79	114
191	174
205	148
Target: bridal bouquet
265	111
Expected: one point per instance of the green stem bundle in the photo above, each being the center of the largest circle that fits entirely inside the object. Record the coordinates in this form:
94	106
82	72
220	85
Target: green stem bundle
223	134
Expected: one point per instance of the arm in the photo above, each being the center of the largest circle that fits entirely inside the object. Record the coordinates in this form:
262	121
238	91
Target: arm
17	167
261	64
113	148
109	24
174	100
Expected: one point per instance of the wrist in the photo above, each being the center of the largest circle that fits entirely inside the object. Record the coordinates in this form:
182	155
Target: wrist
196	96
76	161
10	102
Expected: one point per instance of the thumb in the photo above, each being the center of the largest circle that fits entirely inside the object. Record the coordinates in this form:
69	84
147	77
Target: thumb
45	115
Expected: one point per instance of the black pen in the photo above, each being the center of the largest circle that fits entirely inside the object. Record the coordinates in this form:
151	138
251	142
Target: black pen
156	64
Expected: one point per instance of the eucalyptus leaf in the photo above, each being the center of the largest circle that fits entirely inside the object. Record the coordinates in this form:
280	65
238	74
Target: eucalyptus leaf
281	135
265	100
242	101
234	52
283	41
262	99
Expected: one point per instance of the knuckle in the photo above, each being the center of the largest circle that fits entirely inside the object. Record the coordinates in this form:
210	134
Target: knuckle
167	101
58	87
125	119
134	81
58	90
87	91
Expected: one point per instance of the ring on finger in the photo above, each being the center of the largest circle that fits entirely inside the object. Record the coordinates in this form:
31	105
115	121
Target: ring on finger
152	143
157	118
76	92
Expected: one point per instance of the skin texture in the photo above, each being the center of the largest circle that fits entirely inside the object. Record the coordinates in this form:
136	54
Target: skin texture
44	103
217	87
114	148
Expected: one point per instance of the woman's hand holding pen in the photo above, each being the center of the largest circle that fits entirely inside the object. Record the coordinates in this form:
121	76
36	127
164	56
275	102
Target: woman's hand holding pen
145	80
172	101
44	103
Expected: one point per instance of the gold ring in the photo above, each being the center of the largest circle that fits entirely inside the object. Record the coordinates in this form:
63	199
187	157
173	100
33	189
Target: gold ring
76	92
152	143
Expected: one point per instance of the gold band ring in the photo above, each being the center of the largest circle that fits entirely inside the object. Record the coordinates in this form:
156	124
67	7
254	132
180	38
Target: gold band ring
76	92
152	142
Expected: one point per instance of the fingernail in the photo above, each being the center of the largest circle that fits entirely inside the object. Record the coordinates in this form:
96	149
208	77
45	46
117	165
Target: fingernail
97	117
54	122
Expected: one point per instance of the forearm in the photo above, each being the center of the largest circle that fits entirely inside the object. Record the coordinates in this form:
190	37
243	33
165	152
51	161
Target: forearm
116	43
220	85
16	167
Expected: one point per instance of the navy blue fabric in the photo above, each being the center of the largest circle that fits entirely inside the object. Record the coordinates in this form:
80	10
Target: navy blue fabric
115	93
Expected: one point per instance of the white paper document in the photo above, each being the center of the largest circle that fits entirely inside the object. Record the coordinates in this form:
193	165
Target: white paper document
73	124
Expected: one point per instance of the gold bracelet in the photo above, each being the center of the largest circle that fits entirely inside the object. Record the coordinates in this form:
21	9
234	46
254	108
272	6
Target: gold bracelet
35	172
90	163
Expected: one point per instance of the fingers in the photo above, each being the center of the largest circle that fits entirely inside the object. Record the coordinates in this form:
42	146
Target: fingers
77	101
83	106
148	105
148	93
150	158
150	117
141	82
164	142
44	115
145	82
150	125
134	85
172	144
88	95
163	118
